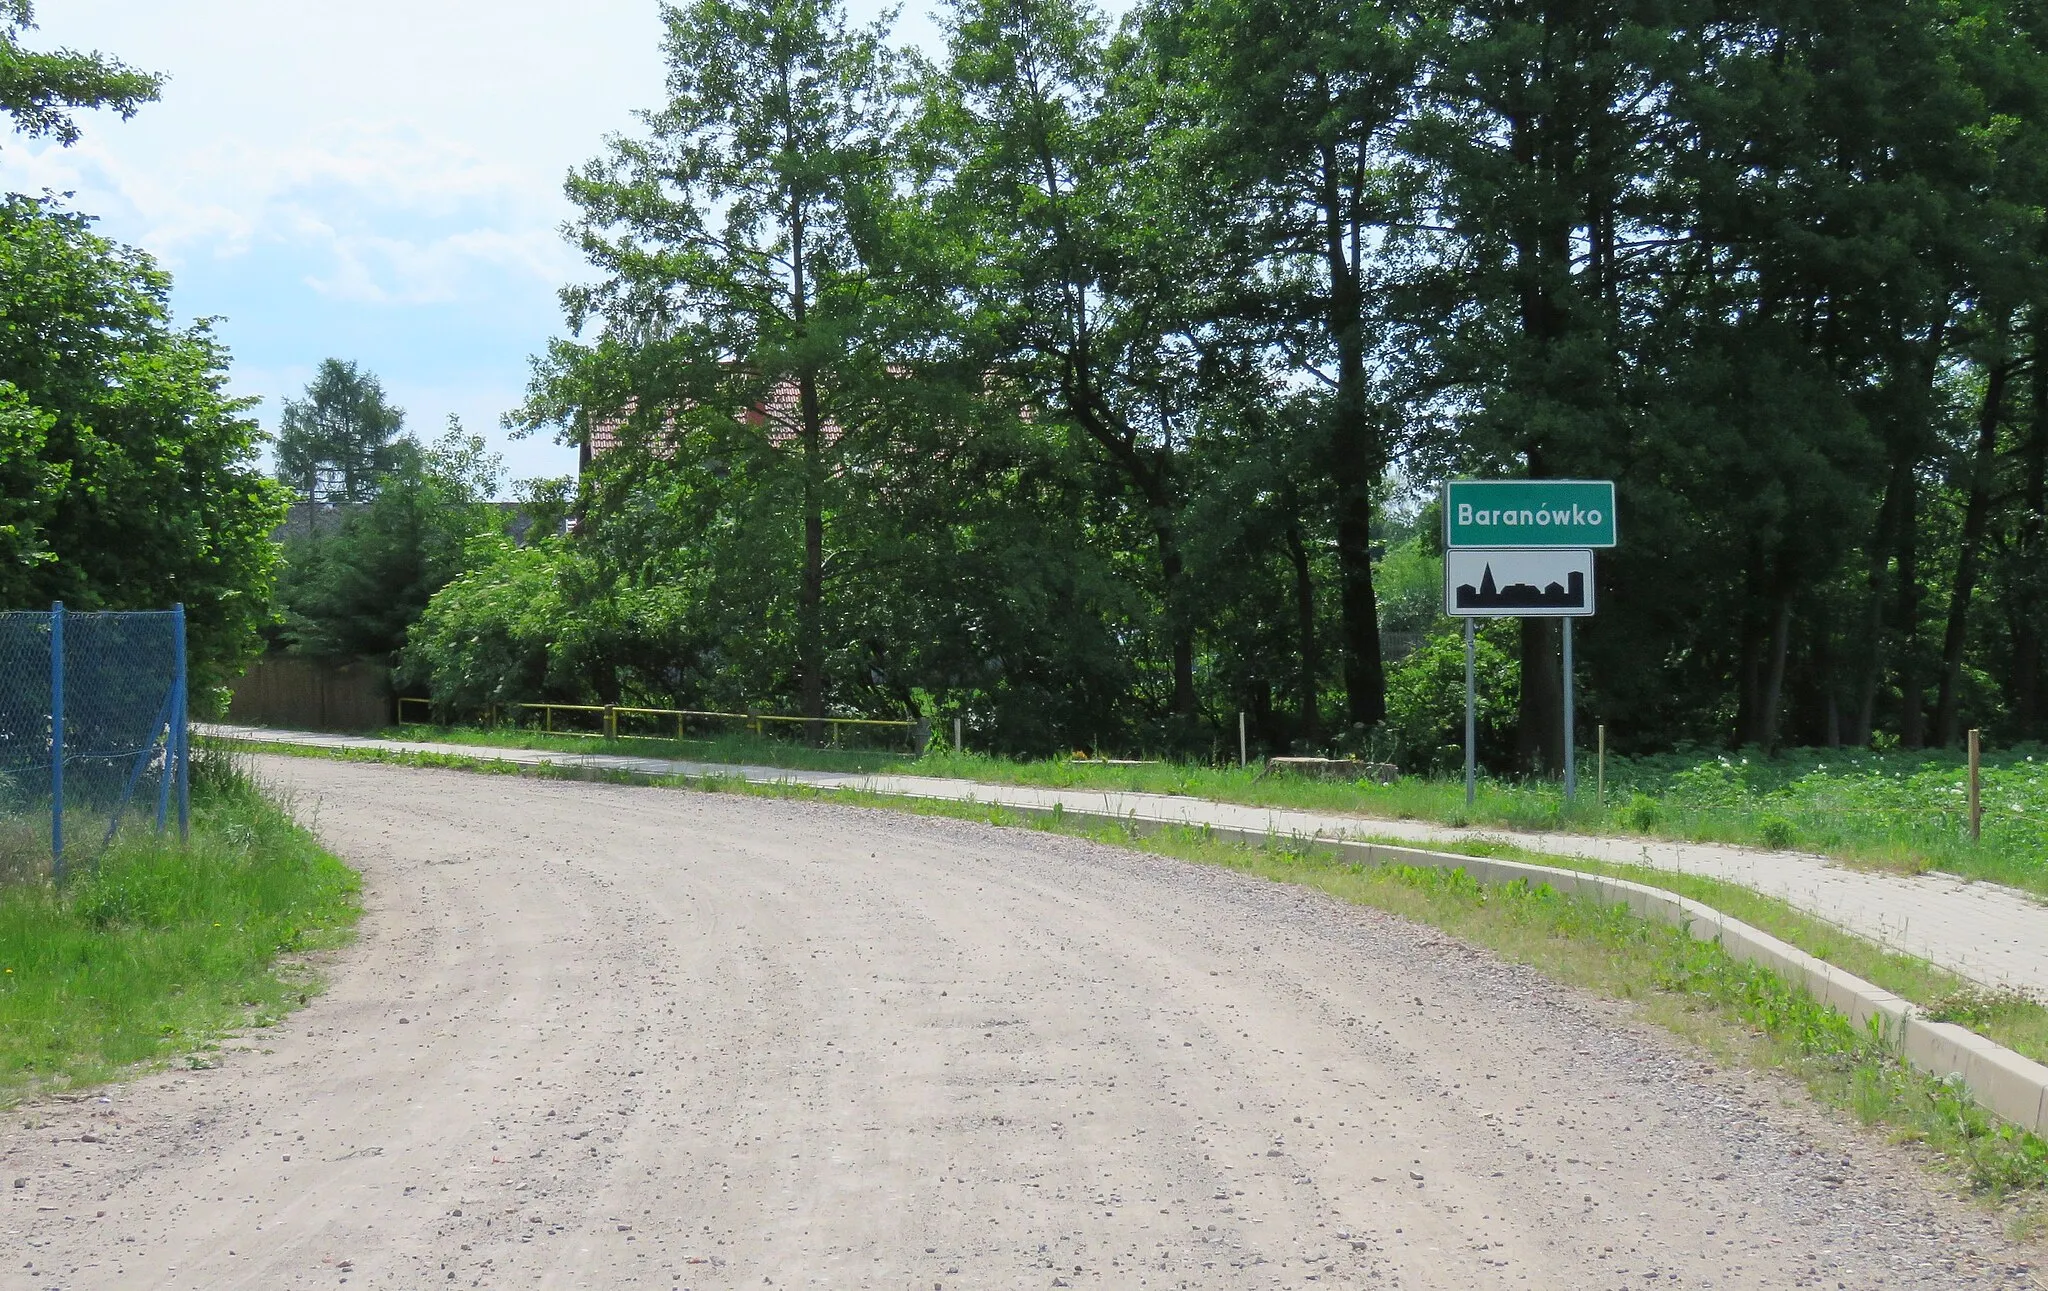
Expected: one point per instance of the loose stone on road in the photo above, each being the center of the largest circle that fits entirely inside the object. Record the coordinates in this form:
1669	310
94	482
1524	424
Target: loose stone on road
597	1036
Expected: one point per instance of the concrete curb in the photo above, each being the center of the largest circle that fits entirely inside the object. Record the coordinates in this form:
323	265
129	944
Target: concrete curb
2011	1087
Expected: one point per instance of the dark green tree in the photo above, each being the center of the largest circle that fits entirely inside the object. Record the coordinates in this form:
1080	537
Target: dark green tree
1301	103
1095	262
735	292
355	593
335	445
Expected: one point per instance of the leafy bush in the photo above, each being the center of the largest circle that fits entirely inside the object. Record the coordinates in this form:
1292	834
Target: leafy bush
536	622
1426	700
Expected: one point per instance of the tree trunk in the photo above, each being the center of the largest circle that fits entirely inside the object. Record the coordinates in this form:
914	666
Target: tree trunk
1774	684
810	614
1539	734
1365	681
1873	622
2026	605
1542	147
1909	448
1825	682
1179	630
1308	653
1355	465
1906	614
810	608
1976	517
1749	688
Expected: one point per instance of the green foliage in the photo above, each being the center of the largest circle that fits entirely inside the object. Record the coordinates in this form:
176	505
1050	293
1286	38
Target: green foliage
1426	699
355	592
160	948
534	622
1082	380
1409	580
334	445
547	505
39	90
734	244
136	471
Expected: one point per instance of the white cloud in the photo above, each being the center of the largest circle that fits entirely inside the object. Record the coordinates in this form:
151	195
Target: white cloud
377	180
380	212
403	151
373	269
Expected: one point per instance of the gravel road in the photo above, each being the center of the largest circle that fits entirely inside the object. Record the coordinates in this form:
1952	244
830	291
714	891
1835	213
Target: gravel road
1993	935
596	1036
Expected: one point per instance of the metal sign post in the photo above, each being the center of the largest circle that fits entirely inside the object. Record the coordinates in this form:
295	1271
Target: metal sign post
1523	549
1471	724
1571	758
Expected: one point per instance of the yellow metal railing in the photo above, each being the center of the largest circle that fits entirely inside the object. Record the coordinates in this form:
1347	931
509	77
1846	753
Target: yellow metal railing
609	715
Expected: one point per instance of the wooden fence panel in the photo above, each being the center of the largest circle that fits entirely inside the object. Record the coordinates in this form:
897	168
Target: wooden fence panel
310	695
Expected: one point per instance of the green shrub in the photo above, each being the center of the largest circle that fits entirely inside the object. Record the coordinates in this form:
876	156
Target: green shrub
157	947
1643	813
1426	700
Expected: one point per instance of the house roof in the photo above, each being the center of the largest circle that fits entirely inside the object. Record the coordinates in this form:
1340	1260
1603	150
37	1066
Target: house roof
778	411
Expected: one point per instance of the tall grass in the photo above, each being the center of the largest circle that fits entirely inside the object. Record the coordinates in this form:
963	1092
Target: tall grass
1900	811
157	948
1892	810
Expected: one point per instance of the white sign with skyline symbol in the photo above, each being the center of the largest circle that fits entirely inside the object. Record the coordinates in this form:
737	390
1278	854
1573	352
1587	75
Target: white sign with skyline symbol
1555	582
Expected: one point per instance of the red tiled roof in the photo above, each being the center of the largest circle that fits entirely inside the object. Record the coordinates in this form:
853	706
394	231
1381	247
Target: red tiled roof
779	411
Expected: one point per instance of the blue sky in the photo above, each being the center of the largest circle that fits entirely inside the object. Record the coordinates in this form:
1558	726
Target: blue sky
377	181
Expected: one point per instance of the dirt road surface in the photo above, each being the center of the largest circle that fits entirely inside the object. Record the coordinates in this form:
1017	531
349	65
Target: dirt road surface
596	1036
1992	935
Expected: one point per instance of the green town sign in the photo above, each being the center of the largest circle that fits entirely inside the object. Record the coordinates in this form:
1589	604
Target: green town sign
1529	513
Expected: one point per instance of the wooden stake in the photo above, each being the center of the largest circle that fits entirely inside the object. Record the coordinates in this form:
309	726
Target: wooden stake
1976	785
1600	776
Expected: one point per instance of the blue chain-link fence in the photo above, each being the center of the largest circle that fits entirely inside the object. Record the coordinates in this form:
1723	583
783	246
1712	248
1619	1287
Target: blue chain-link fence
93	731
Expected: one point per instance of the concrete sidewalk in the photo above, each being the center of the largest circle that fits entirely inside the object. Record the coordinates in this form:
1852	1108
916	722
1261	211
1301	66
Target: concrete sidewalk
1990	934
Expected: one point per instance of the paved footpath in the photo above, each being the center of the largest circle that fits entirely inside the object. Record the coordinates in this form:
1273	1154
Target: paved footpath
1991	934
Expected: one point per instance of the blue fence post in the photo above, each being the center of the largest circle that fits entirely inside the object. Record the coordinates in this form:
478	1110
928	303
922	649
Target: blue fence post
57	740
168	726
181	734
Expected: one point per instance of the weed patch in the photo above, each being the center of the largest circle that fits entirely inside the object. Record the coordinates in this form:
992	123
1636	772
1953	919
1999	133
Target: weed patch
159	949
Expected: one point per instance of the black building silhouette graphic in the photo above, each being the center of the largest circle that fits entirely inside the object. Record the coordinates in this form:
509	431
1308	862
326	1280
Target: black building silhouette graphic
1523	596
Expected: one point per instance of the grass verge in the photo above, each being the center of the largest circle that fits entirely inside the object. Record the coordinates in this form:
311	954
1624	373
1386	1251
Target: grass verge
160	949
1741	1013
2010	1017
739	748
1879	816
1891	811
